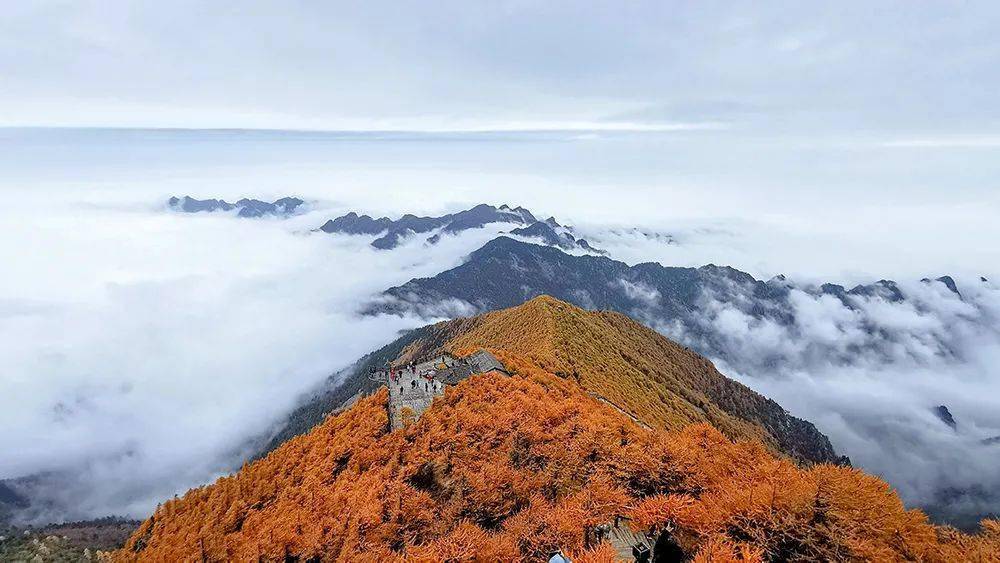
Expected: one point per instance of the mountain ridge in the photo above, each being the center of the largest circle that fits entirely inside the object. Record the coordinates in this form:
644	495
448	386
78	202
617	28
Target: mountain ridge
246	207
505	272
520	465
390	233
683	388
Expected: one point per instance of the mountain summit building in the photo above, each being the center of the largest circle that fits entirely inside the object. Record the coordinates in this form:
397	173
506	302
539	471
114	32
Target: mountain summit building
412	387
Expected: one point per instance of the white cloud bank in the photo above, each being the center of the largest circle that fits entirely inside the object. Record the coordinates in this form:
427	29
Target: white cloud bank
143	348
870	375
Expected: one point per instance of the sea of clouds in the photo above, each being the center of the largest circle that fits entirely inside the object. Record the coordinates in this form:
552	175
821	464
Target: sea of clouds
145	350
869	373
870	376
148	351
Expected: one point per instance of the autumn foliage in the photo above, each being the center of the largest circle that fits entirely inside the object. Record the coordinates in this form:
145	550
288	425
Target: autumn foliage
513	468
661	383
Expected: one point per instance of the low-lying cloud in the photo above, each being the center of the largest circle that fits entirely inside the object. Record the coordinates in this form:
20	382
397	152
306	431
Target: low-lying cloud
143	348
870	375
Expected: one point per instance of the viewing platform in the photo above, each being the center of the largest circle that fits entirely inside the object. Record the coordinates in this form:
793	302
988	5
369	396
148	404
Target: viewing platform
412	387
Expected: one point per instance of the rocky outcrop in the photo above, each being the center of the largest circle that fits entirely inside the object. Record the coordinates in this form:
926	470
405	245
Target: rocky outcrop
944	415
391	233
394	232
553	234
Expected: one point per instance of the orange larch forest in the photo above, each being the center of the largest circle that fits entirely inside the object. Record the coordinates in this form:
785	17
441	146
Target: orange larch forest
513	468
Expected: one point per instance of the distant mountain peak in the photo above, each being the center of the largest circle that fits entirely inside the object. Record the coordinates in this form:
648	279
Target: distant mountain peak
948	282
247	208
942	412
393	232
544	232
355	224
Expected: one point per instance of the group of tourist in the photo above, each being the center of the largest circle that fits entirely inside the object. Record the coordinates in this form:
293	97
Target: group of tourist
395	374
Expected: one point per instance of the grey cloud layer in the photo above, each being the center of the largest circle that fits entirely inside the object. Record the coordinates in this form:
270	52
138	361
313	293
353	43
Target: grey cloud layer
158	344
144	350
870	375
345	65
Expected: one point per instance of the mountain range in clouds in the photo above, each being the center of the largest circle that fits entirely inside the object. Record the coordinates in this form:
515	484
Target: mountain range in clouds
391	233
249	208
769	332
505	272
734	261
862	363
851	356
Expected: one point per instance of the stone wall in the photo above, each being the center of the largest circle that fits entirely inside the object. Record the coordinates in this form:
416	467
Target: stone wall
410	394
412	389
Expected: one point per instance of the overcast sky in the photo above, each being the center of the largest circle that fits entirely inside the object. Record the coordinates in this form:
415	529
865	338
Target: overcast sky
868	129
917	72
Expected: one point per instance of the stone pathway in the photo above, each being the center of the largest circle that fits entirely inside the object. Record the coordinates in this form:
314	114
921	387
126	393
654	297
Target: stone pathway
410	390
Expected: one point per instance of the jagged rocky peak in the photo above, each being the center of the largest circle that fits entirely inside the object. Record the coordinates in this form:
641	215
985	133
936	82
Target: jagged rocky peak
506	271
249	208
525	214
541	231
188	204
554	236
945	416
947	281
780	282
355	224
391	233
886	289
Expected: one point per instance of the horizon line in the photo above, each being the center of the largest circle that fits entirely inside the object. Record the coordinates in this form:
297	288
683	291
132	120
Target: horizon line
541	128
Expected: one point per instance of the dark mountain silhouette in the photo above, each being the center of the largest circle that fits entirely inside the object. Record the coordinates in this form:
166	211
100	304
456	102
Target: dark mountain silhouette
506	272
249	208
394	232
942	412
390	233
11	502
353	224
546	232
